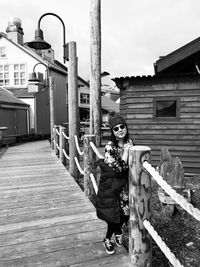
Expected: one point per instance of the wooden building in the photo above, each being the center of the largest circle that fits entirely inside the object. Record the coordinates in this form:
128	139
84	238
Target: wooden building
14	115
164	109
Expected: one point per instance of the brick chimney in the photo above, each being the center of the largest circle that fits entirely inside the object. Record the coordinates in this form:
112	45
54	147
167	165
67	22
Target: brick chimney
15	31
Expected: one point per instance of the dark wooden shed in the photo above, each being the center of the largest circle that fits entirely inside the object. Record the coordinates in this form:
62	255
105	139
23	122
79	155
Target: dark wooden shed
164	109
14	114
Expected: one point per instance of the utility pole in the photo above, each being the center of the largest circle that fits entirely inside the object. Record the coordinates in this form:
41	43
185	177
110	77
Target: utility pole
95	70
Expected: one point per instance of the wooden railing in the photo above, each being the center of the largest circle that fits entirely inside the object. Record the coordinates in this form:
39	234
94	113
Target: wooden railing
141	174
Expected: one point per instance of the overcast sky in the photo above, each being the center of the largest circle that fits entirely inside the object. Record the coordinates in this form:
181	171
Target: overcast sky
134	32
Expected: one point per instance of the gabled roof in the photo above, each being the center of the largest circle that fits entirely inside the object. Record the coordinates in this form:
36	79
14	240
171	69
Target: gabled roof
21	92
33	54
124	82
182	60
7	97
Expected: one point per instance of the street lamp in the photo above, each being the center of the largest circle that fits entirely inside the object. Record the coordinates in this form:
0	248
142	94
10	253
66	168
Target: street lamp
33	77
40	44
34	88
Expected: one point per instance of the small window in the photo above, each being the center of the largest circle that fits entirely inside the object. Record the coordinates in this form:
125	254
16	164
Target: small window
166	108
4	75
2	52
19	74
84	98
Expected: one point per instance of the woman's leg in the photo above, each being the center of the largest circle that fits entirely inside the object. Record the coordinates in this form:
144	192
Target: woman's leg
118	235
110	230
109	246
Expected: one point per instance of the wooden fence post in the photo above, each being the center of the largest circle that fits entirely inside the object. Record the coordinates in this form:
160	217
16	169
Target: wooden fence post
56	139
61	144
140	248
74	117
95	70
52	108
88	159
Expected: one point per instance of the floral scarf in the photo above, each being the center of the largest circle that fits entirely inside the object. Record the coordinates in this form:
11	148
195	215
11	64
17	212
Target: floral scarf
113	157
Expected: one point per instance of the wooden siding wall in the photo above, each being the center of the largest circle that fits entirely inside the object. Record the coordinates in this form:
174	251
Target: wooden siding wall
181	137
15	120
42	120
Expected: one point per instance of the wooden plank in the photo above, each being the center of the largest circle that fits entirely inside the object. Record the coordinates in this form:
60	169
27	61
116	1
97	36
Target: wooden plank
45	218
52	231
65	257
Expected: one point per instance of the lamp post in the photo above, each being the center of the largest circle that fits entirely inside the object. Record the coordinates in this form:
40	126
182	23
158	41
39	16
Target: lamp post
40	44
33	76
33	79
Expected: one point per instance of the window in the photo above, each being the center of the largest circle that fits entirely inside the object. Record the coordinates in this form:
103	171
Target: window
2	52
19	74
12	75
164	108
84	98
4	75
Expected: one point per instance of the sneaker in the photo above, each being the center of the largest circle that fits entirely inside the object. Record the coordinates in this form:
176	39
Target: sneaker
118	240
108	246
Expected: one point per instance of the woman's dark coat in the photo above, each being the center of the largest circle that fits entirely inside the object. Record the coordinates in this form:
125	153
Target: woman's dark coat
109	189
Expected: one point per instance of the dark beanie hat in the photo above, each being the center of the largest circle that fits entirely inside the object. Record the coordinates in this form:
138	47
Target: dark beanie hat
114	119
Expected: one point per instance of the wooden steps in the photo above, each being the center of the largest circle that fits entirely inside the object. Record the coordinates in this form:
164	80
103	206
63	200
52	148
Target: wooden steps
45	218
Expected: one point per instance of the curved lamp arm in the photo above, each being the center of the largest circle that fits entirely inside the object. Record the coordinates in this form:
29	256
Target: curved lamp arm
33	77
39	64
64	44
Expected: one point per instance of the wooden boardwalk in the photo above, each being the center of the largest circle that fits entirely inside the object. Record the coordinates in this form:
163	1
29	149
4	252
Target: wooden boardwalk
45	218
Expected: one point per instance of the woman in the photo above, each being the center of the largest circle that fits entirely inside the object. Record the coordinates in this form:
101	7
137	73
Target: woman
112	197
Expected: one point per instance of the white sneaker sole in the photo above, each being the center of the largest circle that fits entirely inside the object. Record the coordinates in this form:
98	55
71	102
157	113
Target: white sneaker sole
109	252
117	243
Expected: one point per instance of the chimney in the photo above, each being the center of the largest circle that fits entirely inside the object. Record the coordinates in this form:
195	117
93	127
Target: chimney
15	31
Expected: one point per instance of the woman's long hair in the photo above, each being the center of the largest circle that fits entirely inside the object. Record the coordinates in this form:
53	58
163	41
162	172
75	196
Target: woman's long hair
113	137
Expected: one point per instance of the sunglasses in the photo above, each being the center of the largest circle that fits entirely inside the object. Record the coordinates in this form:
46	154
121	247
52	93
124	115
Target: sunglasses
117	128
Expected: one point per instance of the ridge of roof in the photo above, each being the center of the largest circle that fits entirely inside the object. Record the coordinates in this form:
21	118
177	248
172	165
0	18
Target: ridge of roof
32	53
123	82
182	53
179	49
158	75
7	97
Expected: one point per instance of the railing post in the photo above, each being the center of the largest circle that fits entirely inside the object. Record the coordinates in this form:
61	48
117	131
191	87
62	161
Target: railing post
140	248
56	138
52	108
89	158
61	144
74	117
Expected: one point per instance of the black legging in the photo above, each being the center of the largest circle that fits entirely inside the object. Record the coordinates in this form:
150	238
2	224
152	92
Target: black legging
116	227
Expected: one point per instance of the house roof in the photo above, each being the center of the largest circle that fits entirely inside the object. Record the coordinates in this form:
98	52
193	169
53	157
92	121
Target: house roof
6	97
21	92
54	65
124	82
184	59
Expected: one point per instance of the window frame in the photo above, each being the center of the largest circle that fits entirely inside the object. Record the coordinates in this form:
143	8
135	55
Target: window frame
11	75
165	98
4	72
19	71
4	55
85	103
